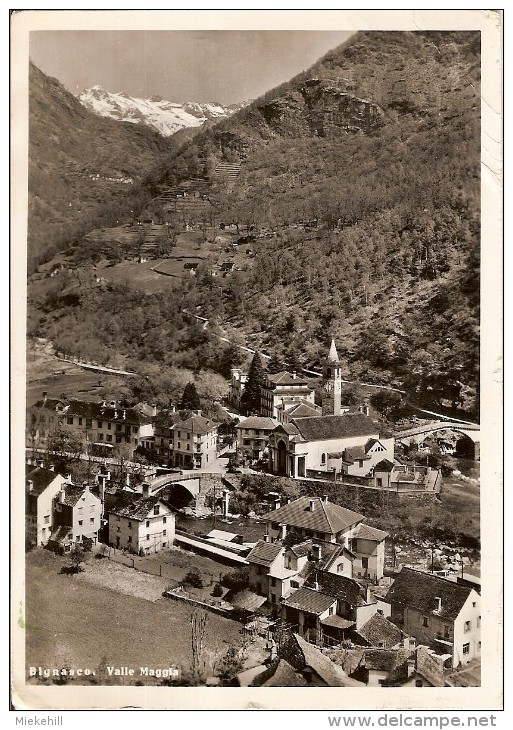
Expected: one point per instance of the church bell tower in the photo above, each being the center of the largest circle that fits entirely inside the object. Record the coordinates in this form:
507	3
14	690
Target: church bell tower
332	383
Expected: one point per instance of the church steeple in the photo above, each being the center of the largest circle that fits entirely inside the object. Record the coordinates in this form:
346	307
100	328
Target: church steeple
332	383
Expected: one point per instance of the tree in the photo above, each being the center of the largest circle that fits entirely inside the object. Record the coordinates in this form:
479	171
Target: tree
77	557
386	402
190	399
251	397
274	365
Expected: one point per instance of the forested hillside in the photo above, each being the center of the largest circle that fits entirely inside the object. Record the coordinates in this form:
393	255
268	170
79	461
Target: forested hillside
364	174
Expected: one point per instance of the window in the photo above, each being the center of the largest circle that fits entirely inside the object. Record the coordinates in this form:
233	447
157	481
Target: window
360	463
332	610
466	648
100	424
164	519
156	509
89	423
447	632
425	621
473	604
109	425
109	437
69	420
178	434
147	523
47	519
467	626
91	520
81	522
79	421
130	538
294	584
119	426
188	435
340	568
188	447
164	533
100	437
147	537
118	439
273	582
365	563
323	458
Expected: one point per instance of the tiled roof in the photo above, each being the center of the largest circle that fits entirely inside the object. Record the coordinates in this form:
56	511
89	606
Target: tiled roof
385	660
294	408
285	378
320	428
71	495
247	599
379	631
90	409
366	532
337	586
331	675
285	676
195	424
41	478
355	453
309	601
337	622
288	428
264	553
420	590
325	517
384	465
136	509
302	548
265	424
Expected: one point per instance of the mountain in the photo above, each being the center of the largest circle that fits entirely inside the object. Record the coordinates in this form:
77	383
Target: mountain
358	184
165	117
82	168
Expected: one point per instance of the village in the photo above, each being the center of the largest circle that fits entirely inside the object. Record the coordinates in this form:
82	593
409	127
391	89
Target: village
261	525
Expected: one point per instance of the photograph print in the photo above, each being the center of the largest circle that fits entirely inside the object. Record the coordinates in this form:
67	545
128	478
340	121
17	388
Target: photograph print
255	365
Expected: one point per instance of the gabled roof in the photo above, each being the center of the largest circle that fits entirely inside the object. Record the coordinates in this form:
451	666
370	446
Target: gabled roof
366	532
326	517
41	478
137	509
288	428
384	465
286	378
332	675
321	428
419	590
355	453
264	553
195	424
258	422
72	494
285	676
309	601
379	631
300	408
337	586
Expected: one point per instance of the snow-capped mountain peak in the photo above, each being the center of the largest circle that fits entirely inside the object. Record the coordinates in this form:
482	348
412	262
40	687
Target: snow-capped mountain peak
166	117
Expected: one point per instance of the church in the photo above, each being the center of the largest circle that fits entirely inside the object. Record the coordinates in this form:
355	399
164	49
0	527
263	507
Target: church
331	443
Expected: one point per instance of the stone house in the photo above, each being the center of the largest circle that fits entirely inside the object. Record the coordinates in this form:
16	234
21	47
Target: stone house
439	613
77	515
142	525
284	389
41	487
194	442
253	436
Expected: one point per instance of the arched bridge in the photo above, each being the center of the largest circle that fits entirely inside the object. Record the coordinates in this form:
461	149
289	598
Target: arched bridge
471	431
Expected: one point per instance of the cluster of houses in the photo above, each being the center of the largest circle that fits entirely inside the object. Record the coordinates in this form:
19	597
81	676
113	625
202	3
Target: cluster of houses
318	570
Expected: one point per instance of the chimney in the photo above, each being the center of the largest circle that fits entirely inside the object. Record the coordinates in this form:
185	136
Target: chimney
145	490
277	504
283	532
41	463
438	604
127	479
51	467
311	505
294	375
62	494
324	498
69	478
315	583
30	484
267	538
154	410
45	394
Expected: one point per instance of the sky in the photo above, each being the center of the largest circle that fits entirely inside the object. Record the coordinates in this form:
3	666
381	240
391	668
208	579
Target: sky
223	66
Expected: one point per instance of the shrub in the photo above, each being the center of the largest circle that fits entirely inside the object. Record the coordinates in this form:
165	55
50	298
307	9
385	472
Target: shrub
194	579
218	591
237	580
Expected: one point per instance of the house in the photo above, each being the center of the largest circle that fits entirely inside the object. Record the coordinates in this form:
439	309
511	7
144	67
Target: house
191	267
261	560
319	519
441	614
253	436
378	631
194	442
77	516
237	384
300	409
99	423
328	445
142	525
41	487
375	667
281	389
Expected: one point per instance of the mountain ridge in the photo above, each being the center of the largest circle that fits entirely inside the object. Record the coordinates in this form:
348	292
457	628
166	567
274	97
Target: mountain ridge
163	116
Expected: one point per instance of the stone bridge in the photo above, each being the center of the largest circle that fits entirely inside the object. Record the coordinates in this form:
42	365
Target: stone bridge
470	431
198	485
